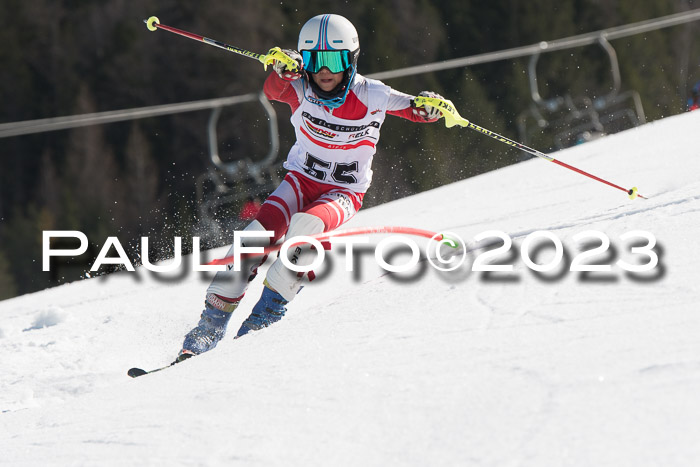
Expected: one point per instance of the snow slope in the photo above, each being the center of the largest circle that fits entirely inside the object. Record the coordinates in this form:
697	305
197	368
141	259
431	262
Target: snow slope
417	368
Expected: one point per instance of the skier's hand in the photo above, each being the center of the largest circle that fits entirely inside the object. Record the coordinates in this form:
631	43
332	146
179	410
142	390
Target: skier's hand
282	70
428	113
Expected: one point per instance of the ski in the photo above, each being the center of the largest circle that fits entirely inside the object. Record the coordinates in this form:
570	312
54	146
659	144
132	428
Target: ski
136	372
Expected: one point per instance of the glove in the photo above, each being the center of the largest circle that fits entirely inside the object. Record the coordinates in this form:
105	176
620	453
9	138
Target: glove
428	113
281	67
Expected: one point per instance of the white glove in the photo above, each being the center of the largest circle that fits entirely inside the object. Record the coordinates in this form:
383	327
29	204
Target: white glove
281	67
428	112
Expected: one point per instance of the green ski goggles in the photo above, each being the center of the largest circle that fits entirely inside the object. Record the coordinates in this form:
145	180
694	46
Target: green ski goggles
335	60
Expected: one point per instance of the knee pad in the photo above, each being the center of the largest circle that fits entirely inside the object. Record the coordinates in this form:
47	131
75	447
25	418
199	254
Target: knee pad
285	281
303	223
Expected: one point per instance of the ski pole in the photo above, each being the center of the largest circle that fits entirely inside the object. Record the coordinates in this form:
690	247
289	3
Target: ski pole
453	118
275	54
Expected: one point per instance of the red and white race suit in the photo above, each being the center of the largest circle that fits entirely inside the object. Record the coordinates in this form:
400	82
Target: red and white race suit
330	165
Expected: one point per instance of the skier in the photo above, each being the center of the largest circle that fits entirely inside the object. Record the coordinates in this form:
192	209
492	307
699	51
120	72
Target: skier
337	114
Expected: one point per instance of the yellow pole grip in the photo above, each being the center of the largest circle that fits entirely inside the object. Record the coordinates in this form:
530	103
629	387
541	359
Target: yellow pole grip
276	55
446	107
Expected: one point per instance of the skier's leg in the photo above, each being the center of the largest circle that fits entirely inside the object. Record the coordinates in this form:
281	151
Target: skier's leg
328	212
271	306
223	296
282	279
331	210
228	287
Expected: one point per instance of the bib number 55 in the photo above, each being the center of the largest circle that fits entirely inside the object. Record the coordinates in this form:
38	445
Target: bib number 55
340	172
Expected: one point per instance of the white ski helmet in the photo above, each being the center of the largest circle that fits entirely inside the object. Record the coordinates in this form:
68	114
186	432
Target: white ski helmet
328	32
330	41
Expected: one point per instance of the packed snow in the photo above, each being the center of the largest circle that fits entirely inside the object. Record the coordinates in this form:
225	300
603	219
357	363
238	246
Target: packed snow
414	368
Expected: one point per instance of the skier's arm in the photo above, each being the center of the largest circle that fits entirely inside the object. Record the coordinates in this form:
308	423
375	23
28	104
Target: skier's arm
401	105
278	86
278	89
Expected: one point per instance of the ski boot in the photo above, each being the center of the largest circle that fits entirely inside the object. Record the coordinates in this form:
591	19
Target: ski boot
269	309
210	329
